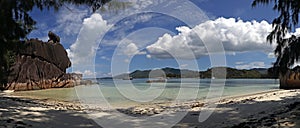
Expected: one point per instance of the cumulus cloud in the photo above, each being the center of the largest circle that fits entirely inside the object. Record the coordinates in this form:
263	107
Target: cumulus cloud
185	45
251	65
82	53
87	73
235	35
129	49
152	12
85	47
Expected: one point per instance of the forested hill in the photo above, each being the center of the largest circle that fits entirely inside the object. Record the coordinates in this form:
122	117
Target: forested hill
185	73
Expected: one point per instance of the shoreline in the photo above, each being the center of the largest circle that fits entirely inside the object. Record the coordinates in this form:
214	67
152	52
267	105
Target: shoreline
270	109
21	112
270	102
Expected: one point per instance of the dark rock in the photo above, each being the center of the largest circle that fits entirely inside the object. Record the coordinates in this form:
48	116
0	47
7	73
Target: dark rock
28	68
41	65
51	53
53	37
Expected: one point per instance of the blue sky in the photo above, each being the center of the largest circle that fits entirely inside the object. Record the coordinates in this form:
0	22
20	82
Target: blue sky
156	34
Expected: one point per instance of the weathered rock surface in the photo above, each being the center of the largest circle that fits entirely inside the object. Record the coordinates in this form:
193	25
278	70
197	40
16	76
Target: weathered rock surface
52	53
41	65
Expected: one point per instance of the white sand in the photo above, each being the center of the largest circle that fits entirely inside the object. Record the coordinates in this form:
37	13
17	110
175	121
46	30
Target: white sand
277	108
18	112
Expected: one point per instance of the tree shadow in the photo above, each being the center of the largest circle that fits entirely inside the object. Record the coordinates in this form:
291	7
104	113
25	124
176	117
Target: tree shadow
16	112
248	113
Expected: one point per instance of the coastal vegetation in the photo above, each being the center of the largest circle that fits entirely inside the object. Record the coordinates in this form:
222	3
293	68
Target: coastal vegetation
232	73
288	44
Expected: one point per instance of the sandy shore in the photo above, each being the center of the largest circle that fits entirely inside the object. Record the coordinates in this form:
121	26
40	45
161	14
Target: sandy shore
270	109
280	108
19	112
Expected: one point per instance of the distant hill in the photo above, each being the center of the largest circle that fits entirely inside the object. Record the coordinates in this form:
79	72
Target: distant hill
165	72
261	70
232	73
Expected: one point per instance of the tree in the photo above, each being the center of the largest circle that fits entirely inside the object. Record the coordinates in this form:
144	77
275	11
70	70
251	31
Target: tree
16	23
287	50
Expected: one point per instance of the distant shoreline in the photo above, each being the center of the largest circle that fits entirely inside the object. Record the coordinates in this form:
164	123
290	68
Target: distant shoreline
229	73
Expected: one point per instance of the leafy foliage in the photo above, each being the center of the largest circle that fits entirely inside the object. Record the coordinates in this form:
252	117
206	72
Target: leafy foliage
287	50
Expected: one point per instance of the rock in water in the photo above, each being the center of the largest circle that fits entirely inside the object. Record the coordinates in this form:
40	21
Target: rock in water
41	65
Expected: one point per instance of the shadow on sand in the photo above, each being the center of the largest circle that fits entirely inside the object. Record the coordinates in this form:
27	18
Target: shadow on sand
23	113
249	112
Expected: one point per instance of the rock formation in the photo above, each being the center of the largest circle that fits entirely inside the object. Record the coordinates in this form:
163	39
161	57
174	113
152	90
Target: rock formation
291	79
41	65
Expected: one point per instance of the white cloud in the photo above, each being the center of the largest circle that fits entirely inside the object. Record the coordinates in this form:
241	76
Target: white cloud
82	53
184	65
70	54
146	10
70	19
235	35
239	63
184	45
271	55
87	73
129	49
104	74
83	50
105	58
148	56
251	65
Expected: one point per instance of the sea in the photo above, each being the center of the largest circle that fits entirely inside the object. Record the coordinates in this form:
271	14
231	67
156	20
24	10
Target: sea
125	93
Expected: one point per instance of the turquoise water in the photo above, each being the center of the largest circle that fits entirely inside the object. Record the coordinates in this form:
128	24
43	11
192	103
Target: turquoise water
124	92
137	91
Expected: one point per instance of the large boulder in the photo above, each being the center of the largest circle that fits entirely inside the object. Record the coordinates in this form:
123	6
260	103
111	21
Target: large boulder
52	53
41	65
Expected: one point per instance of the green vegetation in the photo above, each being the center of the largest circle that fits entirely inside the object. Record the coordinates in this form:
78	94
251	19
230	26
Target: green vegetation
256	73
287	50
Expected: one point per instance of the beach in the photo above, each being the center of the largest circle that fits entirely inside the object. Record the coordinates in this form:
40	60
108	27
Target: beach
277	108
149	64
20	112
270	109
